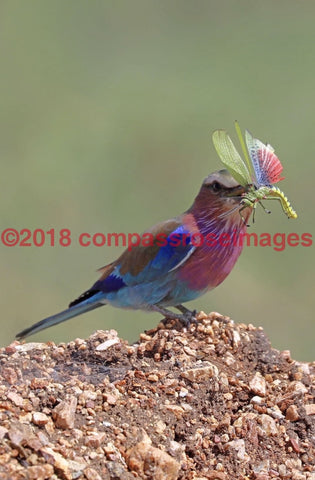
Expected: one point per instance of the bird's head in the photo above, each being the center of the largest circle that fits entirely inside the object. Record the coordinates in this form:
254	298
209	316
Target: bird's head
220	196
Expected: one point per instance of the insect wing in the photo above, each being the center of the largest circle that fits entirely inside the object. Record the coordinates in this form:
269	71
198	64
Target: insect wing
245	152
267	165
230	157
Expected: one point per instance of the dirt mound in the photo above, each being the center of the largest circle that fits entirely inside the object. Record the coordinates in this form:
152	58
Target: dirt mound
214	402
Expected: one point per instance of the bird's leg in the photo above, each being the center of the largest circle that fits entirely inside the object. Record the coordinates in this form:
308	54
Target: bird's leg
185	310
186	318
168	314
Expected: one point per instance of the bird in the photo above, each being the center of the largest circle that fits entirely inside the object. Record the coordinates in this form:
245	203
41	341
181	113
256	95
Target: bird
186	258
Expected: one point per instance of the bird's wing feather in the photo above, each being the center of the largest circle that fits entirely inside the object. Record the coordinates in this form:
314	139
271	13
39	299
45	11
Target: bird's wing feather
170	247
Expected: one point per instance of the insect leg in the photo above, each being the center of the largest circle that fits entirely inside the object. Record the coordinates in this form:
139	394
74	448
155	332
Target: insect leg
265	209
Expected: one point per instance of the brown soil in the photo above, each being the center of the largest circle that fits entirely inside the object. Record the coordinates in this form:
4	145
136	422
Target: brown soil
214	402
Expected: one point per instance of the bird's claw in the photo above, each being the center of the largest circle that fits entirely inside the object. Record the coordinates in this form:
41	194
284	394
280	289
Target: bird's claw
186	318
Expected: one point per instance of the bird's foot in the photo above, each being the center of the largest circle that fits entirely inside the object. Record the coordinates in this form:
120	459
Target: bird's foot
186	318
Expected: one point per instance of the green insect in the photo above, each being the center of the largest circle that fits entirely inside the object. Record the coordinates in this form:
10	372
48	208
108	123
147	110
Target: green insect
260	170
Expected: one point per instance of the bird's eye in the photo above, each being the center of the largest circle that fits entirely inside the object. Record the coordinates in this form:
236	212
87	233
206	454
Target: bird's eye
216	187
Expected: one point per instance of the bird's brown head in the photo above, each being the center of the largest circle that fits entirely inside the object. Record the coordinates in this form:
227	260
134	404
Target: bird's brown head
220	196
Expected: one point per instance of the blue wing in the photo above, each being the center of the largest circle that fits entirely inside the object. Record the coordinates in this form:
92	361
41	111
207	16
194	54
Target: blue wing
170	248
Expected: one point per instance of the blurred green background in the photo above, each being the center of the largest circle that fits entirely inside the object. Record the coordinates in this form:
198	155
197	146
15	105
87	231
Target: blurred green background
106	115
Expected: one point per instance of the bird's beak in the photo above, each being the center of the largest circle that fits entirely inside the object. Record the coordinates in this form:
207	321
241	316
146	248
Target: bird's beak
237	191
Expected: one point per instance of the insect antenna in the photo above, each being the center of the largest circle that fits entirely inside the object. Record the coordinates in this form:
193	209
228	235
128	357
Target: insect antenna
228	212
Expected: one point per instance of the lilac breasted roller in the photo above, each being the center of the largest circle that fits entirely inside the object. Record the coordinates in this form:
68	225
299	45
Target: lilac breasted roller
186	258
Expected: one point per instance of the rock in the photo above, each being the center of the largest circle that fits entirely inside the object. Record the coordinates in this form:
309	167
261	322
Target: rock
91	474
10	375
26	347
110	398
40	472
310	409
107	344
160	427
118	471
151	463
268	425
297	387
64	413
239	446
58	461
214	475
76	467
16	399
292	413
201	373
40	418
258	385
4	431
20	433
262	467
95	439
176	409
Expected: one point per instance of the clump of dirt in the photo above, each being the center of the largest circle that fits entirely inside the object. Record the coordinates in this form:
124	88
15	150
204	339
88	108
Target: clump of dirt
213	402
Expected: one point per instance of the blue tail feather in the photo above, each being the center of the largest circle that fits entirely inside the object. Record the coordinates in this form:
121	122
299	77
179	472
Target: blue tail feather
85	306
